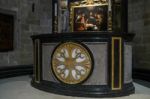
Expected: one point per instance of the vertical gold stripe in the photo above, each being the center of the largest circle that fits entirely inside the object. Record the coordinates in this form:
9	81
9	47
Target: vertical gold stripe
72	19
120	63
112	75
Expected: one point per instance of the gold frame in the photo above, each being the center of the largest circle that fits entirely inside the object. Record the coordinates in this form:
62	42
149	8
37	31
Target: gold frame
120	63
70	63
84	3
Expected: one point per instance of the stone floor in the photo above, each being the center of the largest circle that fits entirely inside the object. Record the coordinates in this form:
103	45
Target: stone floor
20	88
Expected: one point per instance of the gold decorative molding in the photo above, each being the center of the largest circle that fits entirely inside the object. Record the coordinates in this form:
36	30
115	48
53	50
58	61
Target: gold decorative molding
89	2
71	63
113	64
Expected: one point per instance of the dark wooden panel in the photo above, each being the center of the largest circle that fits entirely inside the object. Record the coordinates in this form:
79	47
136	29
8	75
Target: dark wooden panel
6	32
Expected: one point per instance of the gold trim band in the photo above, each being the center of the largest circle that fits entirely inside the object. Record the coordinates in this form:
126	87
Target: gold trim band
120	63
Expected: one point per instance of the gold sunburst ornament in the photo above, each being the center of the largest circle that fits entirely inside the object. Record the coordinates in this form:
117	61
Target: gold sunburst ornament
71	63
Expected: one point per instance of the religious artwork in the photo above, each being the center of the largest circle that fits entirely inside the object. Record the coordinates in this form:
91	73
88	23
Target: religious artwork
82	15
6	32
90	15
71	63
90	18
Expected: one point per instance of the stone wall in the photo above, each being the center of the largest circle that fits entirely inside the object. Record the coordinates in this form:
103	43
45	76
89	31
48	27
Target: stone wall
31	17
28	22
139	23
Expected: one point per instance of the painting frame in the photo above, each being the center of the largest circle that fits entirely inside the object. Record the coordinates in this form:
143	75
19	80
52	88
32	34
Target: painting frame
105	12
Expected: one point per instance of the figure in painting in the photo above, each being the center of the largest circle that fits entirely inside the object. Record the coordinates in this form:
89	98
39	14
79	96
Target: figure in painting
90	19
81	21
91	22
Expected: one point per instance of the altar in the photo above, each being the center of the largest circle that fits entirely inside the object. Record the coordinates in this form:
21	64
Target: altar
88	56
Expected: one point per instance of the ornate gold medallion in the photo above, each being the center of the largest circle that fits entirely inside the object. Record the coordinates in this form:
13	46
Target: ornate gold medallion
71	63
